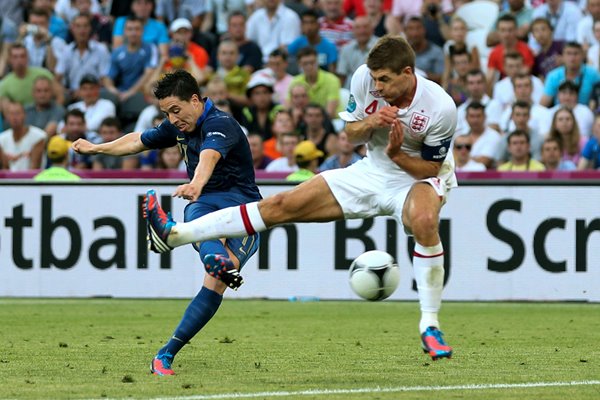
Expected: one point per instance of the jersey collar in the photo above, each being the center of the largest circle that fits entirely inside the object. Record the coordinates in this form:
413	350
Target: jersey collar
208	105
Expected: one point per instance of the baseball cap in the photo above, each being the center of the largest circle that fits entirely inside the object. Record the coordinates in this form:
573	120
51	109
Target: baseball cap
58	147
307	151
260	79
180	23
89	78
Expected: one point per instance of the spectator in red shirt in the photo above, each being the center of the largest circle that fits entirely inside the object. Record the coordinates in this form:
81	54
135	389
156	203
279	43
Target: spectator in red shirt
509	42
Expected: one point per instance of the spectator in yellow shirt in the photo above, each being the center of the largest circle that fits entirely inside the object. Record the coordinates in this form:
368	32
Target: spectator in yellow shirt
520	155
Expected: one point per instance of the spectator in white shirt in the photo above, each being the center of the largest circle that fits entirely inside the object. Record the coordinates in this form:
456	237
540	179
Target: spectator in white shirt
504	91
273	26
486	140
94	108
461	150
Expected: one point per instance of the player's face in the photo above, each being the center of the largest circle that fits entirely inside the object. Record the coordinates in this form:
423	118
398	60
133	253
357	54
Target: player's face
183	114
391	85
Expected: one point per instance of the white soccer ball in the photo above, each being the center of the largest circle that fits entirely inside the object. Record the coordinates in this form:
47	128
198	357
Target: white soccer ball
374	275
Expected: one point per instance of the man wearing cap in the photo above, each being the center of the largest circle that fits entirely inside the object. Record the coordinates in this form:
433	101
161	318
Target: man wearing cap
181	35
58	154
94	107
259	115
307	158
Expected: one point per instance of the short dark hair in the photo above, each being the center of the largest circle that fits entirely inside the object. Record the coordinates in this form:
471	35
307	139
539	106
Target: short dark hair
541	20
179	84
40	13
475	105
236	13
393	53
513	55
557	139
134	18
521	104
279	53
305	52
75	112
573	45
518	132
568	86
507	18
476	72
309	13
461	51
111	122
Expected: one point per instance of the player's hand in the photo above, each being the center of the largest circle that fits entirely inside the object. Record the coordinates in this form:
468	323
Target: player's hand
396	138
384	117
82	146
188	192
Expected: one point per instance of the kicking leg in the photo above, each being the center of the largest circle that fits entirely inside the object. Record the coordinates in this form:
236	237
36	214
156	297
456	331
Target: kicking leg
311	201
421	217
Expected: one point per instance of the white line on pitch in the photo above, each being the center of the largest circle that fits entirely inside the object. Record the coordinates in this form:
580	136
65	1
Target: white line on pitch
313	392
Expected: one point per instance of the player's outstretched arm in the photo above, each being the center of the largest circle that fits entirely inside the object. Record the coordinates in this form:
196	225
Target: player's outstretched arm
123	146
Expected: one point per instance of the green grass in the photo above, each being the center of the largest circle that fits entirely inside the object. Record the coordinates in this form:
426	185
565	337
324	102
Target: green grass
82	349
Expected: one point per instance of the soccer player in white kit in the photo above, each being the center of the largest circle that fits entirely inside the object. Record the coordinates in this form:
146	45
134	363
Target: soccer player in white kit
407	122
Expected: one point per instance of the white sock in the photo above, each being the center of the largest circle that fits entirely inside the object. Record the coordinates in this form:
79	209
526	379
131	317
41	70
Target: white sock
230	222
428	266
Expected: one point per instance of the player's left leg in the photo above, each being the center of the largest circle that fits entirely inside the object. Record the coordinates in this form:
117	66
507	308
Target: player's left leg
208	300
420	216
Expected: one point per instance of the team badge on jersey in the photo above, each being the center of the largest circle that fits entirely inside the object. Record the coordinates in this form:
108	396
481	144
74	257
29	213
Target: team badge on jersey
418	122
351	107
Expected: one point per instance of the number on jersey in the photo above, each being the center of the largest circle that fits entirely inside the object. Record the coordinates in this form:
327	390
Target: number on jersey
371	108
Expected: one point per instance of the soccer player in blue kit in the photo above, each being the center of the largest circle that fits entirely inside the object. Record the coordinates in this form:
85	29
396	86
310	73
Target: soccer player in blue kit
219	165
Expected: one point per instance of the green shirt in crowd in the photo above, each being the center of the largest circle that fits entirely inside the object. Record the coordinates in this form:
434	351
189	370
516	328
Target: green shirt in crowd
300	176
56	174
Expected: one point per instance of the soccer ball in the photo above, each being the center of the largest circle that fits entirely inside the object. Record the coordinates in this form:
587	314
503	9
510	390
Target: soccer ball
374	275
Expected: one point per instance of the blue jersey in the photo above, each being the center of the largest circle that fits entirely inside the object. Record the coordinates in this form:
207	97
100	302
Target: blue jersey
218	131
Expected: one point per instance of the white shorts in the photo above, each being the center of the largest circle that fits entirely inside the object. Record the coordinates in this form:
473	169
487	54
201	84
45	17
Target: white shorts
364	191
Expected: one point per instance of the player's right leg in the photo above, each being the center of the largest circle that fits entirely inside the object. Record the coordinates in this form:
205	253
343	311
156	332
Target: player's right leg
311	201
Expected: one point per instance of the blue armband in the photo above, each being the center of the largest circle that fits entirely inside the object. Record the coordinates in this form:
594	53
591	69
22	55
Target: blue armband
436	153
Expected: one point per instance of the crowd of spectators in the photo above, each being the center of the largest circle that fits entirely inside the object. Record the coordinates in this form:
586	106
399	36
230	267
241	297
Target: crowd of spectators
528	99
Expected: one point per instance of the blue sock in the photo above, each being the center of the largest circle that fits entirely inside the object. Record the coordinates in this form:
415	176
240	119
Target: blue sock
199	312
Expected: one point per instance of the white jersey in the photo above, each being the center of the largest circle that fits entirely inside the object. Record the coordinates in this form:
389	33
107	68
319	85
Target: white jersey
429	123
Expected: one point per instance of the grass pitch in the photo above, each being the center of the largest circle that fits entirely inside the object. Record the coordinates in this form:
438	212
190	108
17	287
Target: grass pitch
98	349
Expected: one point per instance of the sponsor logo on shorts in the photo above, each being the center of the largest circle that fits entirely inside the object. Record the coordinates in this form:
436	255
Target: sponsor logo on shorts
418	122
351	107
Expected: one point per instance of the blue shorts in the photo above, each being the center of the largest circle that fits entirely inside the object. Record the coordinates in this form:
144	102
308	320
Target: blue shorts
242	247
